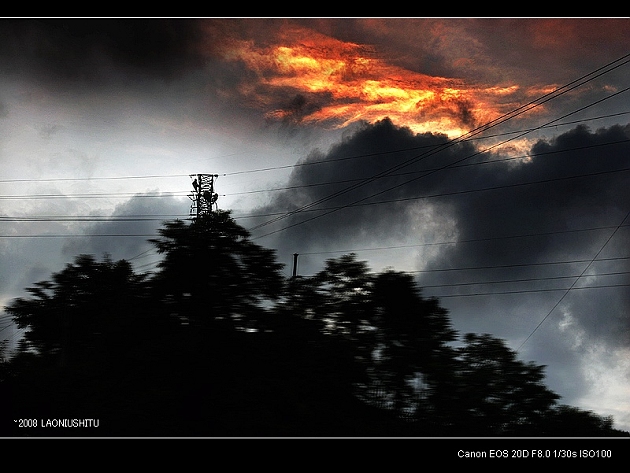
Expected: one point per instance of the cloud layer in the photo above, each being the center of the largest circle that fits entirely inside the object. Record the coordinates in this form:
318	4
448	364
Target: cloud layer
500	239
362	110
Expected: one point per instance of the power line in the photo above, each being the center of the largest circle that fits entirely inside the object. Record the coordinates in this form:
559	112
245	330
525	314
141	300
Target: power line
171	194
520	265
152	264
109	195
441	194
481	129
448	242
493	161
179	193
141	218
470	240
299	164
357	202
523	280
106	178
528	291
69	218
143	254
574	282
85	235
156	217
414	148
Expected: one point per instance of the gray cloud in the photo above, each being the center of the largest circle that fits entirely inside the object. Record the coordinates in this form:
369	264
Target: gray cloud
158	86
512	217
559	205
134	217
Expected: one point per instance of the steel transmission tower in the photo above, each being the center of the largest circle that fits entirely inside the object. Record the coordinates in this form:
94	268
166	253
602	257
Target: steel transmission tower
203	196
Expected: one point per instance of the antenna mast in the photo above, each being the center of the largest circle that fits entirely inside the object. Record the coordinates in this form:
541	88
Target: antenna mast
203	196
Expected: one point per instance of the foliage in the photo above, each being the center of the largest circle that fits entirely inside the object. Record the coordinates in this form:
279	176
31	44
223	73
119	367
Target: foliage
85	302
217	343
214	271
499	394
565	421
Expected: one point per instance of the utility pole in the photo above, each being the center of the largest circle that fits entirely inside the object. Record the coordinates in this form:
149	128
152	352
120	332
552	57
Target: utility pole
203	196
295	261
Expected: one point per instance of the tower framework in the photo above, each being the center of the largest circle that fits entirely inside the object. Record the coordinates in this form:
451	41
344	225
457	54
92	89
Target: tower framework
203	196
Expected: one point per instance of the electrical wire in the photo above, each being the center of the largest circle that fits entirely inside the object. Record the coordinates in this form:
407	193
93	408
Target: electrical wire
156	217
84	235
493	161
111	195
79	218
573	285
520	265
105	178
470	240
522	280
288	214
361	202
483	128
522	109
150	217
184	193
528	291
382	153
299	164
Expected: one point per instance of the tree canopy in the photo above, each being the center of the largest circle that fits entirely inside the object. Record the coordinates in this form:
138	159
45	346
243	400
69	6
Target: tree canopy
214	269
218	343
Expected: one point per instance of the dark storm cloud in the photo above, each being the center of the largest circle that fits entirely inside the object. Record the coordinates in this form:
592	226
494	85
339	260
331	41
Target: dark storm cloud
497	50
566	203
575	181
371	151
135	217
74	91
96	50
559	203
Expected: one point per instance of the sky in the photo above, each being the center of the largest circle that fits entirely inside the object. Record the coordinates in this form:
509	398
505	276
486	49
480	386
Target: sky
488	157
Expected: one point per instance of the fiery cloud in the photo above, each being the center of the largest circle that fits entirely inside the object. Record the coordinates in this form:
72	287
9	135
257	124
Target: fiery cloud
307	77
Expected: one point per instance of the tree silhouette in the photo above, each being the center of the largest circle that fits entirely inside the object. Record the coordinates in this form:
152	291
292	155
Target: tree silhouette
398	338
212	271
346	352
82	304
567	421
414	342
498	394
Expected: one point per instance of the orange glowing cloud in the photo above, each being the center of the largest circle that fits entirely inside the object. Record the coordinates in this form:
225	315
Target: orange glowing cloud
312	78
